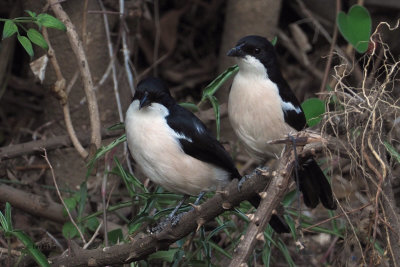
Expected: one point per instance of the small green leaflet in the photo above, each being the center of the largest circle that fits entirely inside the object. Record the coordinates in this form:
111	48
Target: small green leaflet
36	254
31	13
69	231
9	29
213	87
37	38
50	22
26	44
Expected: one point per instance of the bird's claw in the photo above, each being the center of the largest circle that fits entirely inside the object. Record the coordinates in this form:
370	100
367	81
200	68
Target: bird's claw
242	181
175	219
258	171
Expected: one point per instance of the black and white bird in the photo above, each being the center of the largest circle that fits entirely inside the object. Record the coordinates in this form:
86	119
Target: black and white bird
174	148
262	107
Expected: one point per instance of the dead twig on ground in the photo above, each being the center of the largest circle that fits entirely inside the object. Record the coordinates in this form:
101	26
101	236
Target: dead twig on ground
13	151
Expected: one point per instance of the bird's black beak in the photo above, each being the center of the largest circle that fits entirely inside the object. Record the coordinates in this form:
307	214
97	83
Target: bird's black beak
144	101
236	51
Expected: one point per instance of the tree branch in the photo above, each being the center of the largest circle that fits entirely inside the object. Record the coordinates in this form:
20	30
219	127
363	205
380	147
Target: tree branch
83	65
13	151
270	200
144	244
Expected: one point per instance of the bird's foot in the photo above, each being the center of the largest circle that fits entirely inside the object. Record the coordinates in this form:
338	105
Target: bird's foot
258	171
242	181
176	218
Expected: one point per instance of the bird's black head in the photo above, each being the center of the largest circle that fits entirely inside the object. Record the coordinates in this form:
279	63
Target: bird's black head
152	90
255	47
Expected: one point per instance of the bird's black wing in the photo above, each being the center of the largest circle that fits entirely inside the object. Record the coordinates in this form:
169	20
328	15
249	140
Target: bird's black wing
296	120
199	142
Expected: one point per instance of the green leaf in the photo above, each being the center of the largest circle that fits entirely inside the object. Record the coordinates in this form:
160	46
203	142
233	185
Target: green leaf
26	44
8	216
36	254
313	109
189	106
289	198
274	41
37	38
92	224
103	150
228	224
31	13
69	231
319	229
292	225
219	249
118	126
115	236
392	151
284	250
164	256
266	255
213	87
71	205
215	105
3	221
129	179
82	194
9	29
50	22
355	27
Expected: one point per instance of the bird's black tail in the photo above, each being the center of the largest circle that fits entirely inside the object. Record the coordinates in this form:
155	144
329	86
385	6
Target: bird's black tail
277	222
314	186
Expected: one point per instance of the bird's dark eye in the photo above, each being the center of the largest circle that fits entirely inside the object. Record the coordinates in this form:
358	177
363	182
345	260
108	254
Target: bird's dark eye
257	51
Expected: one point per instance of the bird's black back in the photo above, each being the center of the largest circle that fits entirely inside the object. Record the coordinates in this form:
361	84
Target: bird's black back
204	146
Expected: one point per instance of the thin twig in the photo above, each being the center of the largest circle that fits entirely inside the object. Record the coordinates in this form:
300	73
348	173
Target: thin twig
158	34
61	94
61	199
330	55
128	72
51	143
113	67
83	65
335	217
84	19
96	233
125	49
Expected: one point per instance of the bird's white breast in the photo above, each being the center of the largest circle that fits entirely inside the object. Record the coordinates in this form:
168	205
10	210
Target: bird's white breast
256	111
156	149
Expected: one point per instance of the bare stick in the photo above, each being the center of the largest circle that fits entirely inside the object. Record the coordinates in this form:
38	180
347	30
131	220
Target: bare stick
270	200
13	151
83	65
333	43
93	236
60	91
61	199
125	49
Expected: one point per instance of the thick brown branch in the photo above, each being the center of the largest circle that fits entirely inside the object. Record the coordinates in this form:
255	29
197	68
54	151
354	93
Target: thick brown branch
272	197
142	245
